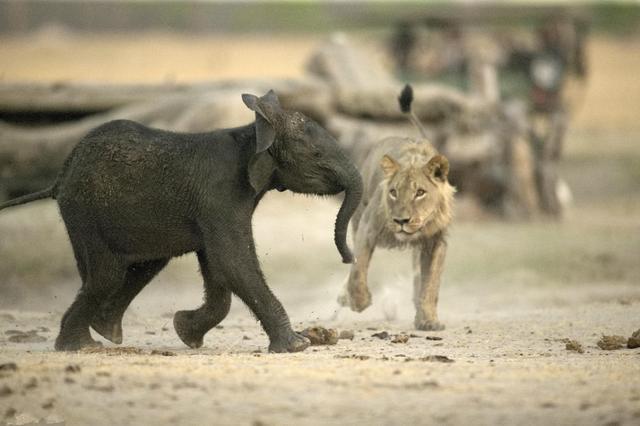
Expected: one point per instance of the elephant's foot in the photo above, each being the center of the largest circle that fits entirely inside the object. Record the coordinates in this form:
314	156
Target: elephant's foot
356	298
75	342
108	326
189	328
292	342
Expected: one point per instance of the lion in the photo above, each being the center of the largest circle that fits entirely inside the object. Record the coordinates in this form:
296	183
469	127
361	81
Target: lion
407	203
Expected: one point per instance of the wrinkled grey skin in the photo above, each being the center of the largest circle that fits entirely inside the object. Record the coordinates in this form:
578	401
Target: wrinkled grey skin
133	197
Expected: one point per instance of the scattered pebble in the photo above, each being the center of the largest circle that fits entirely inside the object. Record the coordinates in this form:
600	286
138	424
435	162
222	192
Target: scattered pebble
320	335
32	383
634	340
152	333
574	345
400	338
48	404
433	338
162	353
346	335
10	412
30	336
611	343
354	356
436	358
8	366
246	338
101	388
382	335
5	391
125	350
72	368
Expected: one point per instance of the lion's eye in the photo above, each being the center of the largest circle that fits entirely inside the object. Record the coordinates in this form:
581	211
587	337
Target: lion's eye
393	194
420	193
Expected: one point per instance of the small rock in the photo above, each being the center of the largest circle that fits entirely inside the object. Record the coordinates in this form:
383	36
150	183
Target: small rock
48	404
574	345
382	335
43	329
320	335
162	353
400	338
8	366
28	337
433	338
346	335
100	388
10	412
5	391
72	368
31	384
436	358
246	338
68	380
152	333
354	356
611	343
634	340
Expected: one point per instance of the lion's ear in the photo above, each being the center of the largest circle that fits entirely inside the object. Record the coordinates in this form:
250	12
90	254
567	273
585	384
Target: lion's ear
438	168
389	166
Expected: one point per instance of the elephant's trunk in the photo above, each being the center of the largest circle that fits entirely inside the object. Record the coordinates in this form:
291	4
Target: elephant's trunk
352	183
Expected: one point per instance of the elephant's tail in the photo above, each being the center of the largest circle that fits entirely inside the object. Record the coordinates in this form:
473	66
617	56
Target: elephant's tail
45	193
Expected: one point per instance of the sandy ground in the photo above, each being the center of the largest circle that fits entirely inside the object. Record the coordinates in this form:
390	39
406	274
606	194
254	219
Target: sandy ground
511	293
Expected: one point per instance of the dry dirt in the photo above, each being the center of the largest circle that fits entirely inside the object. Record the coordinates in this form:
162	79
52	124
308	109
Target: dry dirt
512	295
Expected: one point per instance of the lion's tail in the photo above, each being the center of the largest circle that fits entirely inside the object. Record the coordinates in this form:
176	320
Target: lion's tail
405	99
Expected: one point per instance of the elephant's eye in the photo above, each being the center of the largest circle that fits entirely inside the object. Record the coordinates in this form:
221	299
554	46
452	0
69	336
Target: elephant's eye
393	194
420	193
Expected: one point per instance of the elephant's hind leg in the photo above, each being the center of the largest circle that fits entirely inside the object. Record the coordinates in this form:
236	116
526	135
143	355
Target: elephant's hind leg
192	325
108	319
101	272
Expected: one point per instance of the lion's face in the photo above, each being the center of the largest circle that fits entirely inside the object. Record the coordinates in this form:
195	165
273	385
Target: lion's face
415	195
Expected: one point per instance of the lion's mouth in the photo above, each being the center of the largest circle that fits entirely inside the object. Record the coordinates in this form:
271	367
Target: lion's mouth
406	232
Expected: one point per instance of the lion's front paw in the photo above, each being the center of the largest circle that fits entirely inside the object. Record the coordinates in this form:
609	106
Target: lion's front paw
427	325
359	299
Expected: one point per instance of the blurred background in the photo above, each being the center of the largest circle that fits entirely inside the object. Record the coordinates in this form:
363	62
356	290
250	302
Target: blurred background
536	105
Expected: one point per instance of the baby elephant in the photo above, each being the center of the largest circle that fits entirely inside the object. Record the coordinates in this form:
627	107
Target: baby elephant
132	198
407	203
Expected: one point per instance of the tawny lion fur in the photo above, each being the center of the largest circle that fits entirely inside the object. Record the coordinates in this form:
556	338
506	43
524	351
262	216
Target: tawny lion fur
407	203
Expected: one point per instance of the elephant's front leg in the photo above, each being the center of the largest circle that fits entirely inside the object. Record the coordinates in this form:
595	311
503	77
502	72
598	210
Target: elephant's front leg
428	261
230	249
191	326
356	294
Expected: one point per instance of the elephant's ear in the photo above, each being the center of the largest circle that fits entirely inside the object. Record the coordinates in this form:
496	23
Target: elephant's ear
266	109
261	168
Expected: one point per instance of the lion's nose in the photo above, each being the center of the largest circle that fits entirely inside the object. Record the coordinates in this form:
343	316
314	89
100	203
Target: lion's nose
401	221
